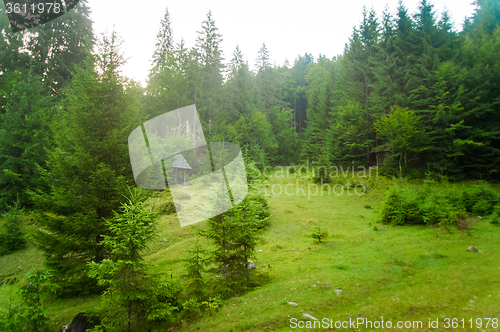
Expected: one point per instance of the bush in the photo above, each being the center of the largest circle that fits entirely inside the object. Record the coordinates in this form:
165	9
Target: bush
401	206
495	216
257	205
436	205
11	235
168	208
319	234
480	199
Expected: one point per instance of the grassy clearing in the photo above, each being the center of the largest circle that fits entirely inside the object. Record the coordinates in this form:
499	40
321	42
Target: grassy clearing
398	273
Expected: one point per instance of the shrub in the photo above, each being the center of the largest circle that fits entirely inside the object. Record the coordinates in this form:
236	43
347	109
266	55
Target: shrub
167	208
435	207
495	216
257	205
401	206
480	199
319	234
11	235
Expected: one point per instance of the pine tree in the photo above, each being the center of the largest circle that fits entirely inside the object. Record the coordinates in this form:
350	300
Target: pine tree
211	58
59	45
24	135
195	267
87	169
134	298
234	235
266	93
321	80
164	42
238	89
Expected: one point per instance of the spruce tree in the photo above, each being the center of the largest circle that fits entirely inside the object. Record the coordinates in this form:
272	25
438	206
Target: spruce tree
88	169
134	298
238	89
210	58
59	45
27	111
164	42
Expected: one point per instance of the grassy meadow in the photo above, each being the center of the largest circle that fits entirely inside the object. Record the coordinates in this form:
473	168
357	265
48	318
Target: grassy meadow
396	273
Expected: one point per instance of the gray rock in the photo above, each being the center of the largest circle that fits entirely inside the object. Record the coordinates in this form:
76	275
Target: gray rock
292	303
250	265
308	316
472	249
338	291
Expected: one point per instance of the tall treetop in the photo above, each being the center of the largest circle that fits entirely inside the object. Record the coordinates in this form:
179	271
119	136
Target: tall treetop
164	41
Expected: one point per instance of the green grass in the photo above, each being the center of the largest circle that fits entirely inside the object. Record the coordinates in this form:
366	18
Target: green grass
398	273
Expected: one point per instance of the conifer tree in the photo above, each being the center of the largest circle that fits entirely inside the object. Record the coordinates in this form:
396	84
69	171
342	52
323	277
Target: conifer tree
239	89
210	58
134	298
164	42
87	169
57	46
24	135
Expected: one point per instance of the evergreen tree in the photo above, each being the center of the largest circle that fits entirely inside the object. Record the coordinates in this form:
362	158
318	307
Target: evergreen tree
59	45
24	135
164	42
234	235
321	80
134	298
87	169
210	58
239	88
266	94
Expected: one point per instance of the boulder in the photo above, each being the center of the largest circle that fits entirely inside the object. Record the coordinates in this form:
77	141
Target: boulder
250	265
80	323
309	316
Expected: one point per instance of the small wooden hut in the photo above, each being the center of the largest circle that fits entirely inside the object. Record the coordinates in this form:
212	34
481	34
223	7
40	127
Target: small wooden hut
180	164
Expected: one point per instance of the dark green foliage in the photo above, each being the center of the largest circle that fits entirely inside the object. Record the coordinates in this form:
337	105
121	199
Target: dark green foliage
11	234
234	235
88	169
495	216
168	208
30	314
480	199
401	206
319	234
258	206
405	205
26	109
134	298
195	267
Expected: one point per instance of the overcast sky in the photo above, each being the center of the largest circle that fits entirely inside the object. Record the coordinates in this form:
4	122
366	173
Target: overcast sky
316	27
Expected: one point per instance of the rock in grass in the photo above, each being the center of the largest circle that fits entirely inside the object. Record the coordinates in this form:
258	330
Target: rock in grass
471	248
292	303
308	316
250	265
338	291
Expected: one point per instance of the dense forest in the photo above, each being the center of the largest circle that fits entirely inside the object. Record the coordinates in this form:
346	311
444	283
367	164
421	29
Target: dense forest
409	94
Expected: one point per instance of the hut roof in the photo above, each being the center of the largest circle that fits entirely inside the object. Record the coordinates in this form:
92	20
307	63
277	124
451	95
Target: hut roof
180	162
